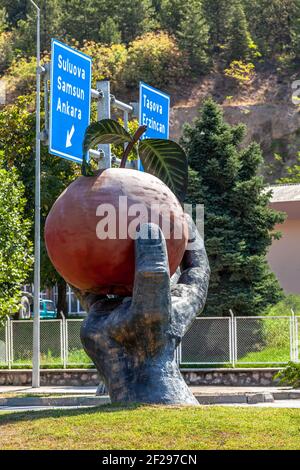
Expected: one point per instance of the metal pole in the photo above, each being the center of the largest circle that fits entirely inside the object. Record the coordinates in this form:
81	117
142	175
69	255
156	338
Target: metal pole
103	112
37	229
292	336
233	345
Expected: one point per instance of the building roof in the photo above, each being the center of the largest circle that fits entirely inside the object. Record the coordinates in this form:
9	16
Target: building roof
285	193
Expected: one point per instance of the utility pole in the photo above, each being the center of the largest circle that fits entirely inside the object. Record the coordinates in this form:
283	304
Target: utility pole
37	228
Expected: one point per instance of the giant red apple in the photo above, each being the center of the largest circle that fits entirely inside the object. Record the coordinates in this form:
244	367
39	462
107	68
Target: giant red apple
89	229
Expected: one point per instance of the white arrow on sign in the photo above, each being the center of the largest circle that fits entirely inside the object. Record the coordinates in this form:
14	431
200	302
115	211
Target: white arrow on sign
69	136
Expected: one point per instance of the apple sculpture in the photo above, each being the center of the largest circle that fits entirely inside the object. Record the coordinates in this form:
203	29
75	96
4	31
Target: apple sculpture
90	229
92	236
103	263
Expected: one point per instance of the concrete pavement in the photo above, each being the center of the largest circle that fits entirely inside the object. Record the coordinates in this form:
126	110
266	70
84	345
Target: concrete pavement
24	398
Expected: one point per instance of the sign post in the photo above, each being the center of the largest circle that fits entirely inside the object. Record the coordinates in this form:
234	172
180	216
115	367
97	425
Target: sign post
154	111
37	210
70	100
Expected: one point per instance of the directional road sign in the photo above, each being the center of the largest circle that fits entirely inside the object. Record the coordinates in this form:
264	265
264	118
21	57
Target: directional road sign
154	112
70	100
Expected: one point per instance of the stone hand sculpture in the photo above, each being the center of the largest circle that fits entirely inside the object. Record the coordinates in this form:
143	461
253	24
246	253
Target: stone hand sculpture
132	340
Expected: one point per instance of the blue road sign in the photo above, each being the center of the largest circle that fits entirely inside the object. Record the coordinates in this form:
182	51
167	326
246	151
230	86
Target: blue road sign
154	112
70	100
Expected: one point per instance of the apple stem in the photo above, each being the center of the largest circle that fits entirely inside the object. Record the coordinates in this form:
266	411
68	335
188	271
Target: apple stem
131	144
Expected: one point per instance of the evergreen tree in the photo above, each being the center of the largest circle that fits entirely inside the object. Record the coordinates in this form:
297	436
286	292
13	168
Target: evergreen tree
270	23
218	14
193	35
238	222
240	44
81	21
109	32
171	15
135	18
16	10
25	30
295	31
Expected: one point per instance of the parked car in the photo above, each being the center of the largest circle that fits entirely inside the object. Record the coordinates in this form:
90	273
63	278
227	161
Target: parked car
47	308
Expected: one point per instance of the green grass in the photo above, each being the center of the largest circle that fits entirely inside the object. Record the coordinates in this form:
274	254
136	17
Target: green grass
268	354
152	427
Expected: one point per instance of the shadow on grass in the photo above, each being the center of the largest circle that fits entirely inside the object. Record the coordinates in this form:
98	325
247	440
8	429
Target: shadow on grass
10	417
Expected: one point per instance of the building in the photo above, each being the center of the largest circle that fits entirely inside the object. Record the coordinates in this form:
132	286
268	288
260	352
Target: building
284	254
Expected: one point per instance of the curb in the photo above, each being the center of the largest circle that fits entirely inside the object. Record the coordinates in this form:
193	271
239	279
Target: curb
250	398
286	395
203	399
54	401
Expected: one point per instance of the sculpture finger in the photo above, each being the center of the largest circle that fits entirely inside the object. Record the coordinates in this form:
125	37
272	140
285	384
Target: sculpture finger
151	294
146	318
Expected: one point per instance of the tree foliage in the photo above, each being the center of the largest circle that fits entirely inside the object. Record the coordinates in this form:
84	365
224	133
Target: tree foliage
239	225
193	34
15	247
205	30
17	123
156	59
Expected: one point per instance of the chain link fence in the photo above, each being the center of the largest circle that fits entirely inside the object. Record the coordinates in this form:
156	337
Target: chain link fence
211	341
207	342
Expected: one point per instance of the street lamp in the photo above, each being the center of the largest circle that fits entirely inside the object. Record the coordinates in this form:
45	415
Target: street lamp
37	228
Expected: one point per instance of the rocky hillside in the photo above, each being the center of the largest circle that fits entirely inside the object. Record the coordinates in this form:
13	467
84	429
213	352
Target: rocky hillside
264	105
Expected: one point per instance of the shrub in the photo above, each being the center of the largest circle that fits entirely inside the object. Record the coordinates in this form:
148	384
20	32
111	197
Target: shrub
21	76
290	301
156	59
239	71
108	62
290	375
6	50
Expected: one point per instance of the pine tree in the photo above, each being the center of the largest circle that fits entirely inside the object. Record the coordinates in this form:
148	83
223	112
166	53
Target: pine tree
218	14
25	30
238	222
109	32
240	44
271	24
135	18
193	35
171	15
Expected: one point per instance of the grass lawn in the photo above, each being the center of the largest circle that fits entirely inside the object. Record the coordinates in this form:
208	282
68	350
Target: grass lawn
268	354
152	427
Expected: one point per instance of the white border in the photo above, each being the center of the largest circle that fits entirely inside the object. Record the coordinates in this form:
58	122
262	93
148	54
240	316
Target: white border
55	42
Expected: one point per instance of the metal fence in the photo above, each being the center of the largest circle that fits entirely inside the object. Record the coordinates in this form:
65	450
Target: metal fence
211	341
